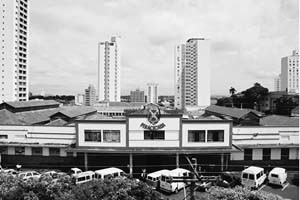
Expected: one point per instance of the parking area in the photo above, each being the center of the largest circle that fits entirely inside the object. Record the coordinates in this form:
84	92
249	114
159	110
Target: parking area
288	191
182	193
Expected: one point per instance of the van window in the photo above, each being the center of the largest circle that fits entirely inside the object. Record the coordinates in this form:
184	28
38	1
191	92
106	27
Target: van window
274	175
163	178
121	173
245	175
116	174
258	175
81	179
251	176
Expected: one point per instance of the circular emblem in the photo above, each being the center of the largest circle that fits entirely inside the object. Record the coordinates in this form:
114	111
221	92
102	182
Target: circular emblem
153	114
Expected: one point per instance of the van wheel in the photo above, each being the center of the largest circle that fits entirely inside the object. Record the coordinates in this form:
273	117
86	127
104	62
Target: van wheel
176	190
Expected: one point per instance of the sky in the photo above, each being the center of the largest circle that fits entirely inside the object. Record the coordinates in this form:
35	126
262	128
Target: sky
248	39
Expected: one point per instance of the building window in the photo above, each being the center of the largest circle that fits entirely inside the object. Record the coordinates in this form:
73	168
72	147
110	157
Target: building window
196	135
154	135
3	150
92	135
285	153
37	151
111	135
215	136
20	150
247	154
267	154
3	136
54	151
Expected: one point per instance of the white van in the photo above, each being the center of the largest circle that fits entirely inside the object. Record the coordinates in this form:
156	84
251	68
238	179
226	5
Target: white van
84	177
75	171
253	177
153	178
167	176
109	173
277	176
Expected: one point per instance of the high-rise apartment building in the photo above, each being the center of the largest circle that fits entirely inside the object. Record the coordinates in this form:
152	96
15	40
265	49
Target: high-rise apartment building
109	61
192	74
137	96
179	66
290	73
152	93
14	50
90	96
277	83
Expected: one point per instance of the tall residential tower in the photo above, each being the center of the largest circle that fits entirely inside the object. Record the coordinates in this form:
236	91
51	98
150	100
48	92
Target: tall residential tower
109	61
152	93
14	50
289	77
192	74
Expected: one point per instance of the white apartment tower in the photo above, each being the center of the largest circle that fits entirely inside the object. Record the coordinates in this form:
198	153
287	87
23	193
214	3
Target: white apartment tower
14	50
179	61
90	96
290	73
109	61
152	93
277	83
192	74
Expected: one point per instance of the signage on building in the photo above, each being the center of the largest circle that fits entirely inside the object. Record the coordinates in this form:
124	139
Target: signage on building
153	117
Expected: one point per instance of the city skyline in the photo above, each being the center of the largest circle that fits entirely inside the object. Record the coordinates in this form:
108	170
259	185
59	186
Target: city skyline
248	45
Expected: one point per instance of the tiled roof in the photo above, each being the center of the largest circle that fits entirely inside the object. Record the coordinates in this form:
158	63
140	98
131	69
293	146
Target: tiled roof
232	112
39	116
126	104
279	120
57	122
32	103
98	116
75	111
9	118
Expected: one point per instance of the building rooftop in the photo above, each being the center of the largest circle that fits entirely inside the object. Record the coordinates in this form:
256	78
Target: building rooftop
279	120
75	111
9	118
33	103
232	112
38	116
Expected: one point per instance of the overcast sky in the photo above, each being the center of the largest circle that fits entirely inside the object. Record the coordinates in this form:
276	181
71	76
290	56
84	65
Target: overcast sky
248	39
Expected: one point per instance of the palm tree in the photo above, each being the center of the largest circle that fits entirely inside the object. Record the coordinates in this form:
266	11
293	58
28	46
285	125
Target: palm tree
232	91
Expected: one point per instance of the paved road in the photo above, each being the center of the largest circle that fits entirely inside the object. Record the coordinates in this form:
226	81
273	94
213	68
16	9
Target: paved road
288	191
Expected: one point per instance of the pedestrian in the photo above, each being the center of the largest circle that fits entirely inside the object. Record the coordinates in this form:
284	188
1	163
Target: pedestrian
143	175
18	167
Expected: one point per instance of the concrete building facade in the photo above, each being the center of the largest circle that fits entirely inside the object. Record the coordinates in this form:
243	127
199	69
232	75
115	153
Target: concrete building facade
290	73
14	20
137	96
90	96
277	83
109	63
152	93
192	74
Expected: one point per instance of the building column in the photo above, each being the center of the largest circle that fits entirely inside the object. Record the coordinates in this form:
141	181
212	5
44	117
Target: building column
85	161
177	160
222	161
130	164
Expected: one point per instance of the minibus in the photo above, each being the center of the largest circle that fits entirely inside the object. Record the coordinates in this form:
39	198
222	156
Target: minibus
166	183
253	177
153	178
109	173
277	176
84	177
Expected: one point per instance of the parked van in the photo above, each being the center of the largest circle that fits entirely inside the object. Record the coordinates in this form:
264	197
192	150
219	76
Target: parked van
109	173
153	178
277	176
166	178
253	177
75	171
84	177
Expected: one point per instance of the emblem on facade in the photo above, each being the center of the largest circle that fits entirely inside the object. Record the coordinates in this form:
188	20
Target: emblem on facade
153	117
153	114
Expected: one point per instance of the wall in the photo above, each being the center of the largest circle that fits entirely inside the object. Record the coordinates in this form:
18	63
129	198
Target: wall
102	126
136	133
206	126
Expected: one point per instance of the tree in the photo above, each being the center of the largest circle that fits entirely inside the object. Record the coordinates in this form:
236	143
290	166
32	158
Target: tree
284	105
253	95
232	91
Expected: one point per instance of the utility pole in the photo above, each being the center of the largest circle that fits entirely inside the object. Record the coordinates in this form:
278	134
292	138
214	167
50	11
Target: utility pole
193	183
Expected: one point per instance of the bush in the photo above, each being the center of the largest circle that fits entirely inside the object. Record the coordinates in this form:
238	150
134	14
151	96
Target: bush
240	193
12	188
